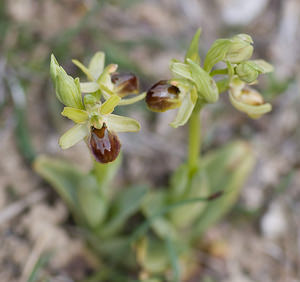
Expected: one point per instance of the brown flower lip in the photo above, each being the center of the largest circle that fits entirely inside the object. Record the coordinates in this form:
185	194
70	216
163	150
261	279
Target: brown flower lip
104	144
125	83
162	96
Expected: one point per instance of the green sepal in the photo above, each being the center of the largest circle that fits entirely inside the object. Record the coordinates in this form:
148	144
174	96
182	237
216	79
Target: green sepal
73	136
193	50
96	65
186	108
205	84
118	123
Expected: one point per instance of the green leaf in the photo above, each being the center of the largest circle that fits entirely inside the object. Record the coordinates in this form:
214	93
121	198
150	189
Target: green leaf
78	116
178	182
183	217
121	124
206	86
153	202
193	50
73	136
152	255
92	204
125	205
96	65
64	178
174	259
227	170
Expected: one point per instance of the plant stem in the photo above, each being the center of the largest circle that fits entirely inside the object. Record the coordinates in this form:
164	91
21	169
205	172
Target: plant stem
218	72
194	140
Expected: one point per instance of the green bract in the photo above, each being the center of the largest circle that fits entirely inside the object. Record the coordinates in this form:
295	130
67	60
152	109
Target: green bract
67	89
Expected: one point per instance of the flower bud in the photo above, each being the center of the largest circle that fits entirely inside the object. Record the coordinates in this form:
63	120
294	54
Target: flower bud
125	83
104	144
246	72
240	49
163	96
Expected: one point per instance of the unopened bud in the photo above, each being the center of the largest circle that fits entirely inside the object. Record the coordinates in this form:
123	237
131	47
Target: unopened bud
246	72
125	83
163	96
240	49
104	144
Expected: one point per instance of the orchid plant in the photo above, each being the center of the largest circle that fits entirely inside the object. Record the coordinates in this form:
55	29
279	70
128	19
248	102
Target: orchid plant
201	190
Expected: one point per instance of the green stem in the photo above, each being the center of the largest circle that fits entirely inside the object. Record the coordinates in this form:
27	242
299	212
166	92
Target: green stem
218	71
194	140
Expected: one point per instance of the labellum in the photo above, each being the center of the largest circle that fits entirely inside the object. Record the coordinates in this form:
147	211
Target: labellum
163	96
125	83
104	144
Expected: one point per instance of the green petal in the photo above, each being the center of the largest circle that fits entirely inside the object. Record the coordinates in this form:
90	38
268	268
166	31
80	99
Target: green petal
84	69
121	124
206	86
184	111
252	111
133	100
78	116
96	65
193	51
109	105
89	87
73	136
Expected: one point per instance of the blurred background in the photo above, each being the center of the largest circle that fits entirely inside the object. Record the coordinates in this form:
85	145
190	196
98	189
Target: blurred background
260	239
